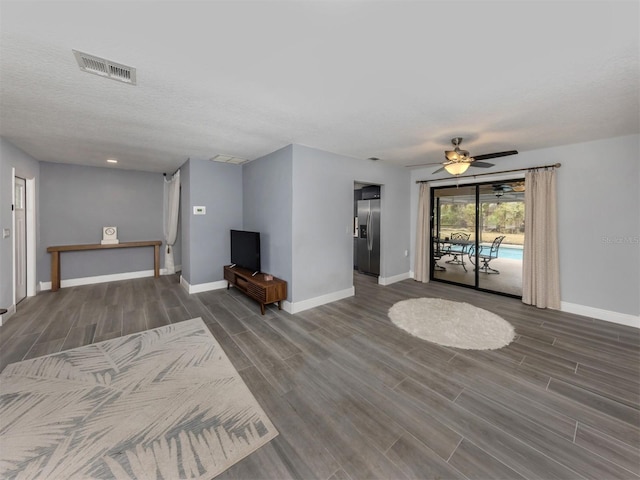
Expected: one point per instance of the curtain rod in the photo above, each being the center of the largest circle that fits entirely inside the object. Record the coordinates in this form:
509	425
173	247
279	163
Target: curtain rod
555	165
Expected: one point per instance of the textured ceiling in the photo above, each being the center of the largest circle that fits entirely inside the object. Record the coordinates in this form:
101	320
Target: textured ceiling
395	80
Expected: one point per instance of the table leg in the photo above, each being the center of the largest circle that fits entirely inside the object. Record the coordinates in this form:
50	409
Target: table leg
262	308
55	271
156	261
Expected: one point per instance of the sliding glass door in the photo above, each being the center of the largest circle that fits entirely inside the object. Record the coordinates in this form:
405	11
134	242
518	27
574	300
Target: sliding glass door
478	235
454	229
501	223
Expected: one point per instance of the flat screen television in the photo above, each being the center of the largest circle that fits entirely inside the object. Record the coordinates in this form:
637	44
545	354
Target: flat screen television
245	249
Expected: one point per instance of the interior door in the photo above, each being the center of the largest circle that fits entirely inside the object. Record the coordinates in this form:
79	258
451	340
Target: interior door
20	238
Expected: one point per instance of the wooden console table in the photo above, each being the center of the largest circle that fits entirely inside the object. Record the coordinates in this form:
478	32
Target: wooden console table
256	287
55	256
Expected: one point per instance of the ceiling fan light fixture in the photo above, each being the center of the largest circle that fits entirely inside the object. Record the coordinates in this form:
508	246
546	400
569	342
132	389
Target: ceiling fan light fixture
456	155
458	160
451	155
457	168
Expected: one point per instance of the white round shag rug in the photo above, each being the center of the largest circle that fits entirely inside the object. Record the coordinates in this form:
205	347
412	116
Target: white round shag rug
452	324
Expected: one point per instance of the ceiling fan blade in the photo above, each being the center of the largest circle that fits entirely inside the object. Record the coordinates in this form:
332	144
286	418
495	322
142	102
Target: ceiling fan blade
482	164
423	164
439	170
487	156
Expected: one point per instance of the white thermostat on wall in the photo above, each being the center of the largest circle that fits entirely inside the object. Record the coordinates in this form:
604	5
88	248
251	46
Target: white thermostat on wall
109	235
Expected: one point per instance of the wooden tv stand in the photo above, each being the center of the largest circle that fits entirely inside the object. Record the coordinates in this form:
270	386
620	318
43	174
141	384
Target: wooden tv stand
256	287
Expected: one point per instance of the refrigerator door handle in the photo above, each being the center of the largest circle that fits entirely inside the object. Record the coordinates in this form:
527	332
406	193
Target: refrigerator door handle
369	233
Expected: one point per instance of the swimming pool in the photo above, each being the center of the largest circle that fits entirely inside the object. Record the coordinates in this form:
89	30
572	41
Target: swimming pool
512	252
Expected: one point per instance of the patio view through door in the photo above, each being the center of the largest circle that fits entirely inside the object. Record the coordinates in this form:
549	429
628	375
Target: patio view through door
478	235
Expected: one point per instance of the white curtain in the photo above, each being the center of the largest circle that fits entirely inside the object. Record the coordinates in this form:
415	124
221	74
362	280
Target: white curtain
540	268
422	261
171	208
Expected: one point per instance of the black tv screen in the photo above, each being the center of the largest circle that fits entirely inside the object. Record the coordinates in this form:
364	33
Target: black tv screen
245	249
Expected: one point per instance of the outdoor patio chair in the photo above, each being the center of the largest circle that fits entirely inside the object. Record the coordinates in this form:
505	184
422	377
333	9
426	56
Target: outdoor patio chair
437	255
458	246
486	254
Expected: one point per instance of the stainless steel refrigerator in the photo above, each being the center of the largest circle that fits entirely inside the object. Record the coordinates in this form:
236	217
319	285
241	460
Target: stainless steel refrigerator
369	236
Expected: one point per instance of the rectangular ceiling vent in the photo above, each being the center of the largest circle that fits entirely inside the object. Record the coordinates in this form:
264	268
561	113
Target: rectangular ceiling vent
105	68
228	159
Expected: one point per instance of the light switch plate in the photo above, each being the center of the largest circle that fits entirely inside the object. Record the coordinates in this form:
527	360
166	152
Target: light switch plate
200	210
6	233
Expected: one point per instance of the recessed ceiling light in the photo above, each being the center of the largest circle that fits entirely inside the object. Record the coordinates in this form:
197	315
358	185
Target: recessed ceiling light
112	160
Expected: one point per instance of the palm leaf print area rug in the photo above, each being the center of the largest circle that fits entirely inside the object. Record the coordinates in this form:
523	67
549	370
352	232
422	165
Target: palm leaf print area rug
161	404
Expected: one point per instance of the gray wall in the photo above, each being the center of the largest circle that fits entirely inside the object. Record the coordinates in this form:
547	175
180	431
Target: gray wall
323	185
300	199
206	241
26	167
598	216
77	201
267	208
599	223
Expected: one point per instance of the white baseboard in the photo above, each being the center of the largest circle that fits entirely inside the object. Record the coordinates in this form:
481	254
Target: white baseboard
10	311
394	279
295	307
184	284
202	287
607	315
114	277
601	314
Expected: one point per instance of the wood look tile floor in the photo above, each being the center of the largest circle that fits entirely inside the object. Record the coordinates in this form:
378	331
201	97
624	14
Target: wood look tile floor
354	397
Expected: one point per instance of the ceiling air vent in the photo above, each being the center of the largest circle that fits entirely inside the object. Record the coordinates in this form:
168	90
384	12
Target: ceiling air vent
105	68
228	159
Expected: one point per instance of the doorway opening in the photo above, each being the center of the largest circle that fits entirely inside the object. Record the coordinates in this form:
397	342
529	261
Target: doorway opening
23	231
478	235
366	228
